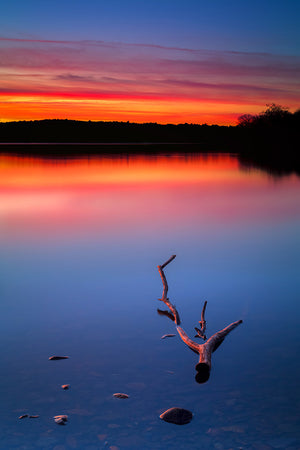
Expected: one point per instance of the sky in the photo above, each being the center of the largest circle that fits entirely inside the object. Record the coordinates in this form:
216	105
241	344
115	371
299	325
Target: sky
165	61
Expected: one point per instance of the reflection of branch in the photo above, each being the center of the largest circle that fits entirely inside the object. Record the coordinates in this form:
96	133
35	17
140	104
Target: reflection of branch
204	350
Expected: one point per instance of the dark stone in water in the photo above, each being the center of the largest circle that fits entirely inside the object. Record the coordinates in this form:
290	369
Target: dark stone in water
120	395
34	417
56	358
179	416
23	416
65	386
61	419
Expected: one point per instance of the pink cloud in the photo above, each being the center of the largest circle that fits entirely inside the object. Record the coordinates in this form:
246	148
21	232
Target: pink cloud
107	70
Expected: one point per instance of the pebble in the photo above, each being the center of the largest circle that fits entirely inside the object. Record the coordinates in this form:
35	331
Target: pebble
65	386
120	395
167	335
179	416
23	416
56	358
61	419
34	417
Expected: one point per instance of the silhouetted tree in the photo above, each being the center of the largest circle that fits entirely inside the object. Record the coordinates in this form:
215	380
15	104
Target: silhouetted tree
246	120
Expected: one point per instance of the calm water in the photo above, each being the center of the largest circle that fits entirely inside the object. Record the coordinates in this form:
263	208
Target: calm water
80	243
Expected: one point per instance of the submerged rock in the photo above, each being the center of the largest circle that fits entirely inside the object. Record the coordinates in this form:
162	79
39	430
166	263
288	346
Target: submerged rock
56	358
65	386
61	419
34	417
120	395
23	416
179	416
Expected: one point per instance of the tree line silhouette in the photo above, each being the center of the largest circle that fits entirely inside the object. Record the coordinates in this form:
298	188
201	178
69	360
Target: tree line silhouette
73	131
271	137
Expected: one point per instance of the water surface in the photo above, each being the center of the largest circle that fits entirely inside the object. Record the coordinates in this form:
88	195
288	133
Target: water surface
80	242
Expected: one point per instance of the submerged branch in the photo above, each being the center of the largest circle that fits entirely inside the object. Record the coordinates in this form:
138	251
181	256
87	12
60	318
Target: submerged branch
164	297
204	350
202	322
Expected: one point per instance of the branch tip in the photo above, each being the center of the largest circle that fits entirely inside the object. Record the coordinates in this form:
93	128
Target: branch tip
167	262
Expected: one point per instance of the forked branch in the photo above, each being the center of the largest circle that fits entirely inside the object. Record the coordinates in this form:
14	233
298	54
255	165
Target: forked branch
202	322
204	350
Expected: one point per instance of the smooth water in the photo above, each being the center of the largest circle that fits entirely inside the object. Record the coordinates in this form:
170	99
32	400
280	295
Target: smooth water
80	242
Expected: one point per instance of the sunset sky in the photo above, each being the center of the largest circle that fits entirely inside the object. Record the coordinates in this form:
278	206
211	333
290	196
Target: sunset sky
163	61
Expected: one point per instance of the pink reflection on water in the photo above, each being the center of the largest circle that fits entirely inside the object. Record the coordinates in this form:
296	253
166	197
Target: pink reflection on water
41	197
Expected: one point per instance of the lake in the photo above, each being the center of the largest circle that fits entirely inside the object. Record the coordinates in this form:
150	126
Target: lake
80	240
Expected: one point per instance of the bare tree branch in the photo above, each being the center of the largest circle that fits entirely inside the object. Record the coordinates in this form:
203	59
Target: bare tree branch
164	297
202	322
204	350
168	262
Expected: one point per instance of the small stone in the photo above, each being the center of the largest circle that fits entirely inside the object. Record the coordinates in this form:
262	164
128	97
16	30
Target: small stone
34	417
61	419
23	416
167	336
61	416
65	387
56	358
179	416
120	395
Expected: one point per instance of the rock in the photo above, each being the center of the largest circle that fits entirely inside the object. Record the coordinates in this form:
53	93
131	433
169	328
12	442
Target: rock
34	417
120	395
65	386
23	416
61	419
56	358
179	416
167	335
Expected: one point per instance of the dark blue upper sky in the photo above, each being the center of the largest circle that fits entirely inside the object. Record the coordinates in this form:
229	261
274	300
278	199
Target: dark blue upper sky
256	26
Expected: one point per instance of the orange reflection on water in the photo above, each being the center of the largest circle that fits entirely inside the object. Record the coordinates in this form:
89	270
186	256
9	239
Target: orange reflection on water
32	172
131	194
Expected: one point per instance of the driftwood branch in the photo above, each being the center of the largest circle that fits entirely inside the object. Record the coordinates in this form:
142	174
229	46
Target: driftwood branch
174	314
204	350
202	322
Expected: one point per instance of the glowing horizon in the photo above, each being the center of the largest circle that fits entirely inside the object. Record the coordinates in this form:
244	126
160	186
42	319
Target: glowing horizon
107	81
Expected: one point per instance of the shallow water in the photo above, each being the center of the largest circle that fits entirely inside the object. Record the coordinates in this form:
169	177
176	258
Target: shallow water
80	242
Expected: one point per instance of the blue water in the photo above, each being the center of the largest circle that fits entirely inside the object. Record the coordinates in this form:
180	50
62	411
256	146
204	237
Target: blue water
80	279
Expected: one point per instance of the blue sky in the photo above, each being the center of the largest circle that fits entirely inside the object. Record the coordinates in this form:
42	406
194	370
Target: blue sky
264	26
